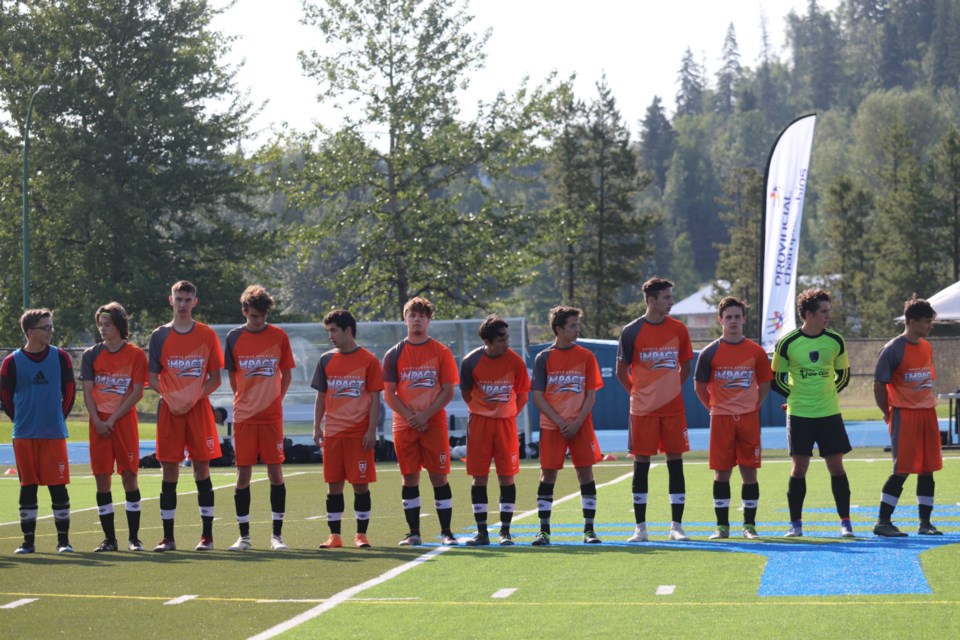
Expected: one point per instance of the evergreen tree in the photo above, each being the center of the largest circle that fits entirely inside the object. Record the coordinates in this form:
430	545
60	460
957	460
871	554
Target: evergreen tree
692	86
946	158
656	142
730	74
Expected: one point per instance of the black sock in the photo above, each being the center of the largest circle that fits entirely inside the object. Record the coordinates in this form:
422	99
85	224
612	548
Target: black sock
242	501
60	504
750	495
28	513
411	508
278	506
641	471
545	505
925	493
588	504
168	507
796	492
841	495
478	496
105	511
890	495
133	514
721	502
335	507
205	504
508	500
443	502
677	489
362	503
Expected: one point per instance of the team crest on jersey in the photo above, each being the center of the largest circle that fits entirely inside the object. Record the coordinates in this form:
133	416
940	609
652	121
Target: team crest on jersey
660	358
921	379
259	366
814	356
345	387
443	459
734	378
362	464
62	468
419	378
210	443
495	392
187	366
566	382
279	446
112	383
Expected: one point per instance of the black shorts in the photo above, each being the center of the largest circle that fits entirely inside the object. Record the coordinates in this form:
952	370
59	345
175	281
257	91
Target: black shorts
828	433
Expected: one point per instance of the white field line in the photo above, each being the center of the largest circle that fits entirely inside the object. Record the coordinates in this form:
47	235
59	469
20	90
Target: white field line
666	589
503	593
181	600
347	594
19	603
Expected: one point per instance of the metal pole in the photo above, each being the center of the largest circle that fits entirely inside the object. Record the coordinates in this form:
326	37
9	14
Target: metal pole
26	202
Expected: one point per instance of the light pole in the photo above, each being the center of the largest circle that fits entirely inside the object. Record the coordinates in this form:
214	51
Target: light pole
26	202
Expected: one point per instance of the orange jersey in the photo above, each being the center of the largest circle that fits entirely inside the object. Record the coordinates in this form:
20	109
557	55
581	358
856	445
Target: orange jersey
347	380
907	370
493	383
419	371
182	361
655	353
257	361
733	373
564	376
113	374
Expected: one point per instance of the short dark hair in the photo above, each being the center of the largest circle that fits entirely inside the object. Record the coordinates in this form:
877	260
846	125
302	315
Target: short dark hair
809	301
558	317
257	298
918	309
653	287
343	319
732	301
492	327
32	317
183	286
118	316
418	305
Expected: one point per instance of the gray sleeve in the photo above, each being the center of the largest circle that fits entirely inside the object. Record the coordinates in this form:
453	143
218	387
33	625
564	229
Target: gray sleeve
539	382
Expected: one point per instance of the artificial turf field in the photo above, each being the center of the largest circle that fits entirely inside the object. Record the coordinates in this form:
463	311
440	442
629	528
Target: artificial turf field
818	586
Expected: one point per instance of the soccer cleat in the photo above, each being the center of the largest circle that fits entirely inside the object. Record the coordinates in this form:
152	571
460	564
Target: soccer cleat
846	529
479	540
886	529
167	544
447	539
64	548
334	541
542	540
927	529
750	532
242	544
277	543
795	530
135	545
410	540
360	541
677	534
505	539
205	544
589	537
106	545
25	548
639	533
722	532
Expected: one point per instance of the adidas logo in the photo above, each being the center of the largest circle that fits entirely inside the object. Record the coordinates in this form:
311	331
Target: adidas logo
40	378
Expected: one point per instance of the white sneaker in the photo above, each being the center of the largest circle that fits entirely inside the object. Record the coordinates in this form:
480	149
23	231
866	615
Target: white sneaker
639	534
277	543
242	544
677	533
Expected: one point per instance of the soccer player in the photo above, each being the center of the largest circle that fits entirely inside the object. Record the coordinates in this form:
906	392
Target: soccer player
732	379
419	375
903	389
258	360
348	381
811	368
185	363
494	384
37	390
653	362
565	381
113	373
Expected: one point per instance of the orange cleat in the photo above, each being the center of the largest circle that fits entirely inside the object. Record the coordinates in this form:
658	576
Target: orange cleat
333	542
360	540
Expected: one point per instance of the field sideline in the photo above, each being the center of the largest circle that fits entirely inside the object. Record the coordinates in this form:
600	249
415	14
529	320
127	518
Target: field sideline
866	587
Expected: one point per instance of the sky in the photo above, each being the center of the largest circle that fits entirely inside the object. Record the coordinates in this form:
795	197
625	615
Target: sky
638	44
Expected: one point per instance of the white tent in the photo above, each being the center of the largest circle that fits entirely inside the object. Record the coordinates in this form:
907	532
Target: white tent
946	303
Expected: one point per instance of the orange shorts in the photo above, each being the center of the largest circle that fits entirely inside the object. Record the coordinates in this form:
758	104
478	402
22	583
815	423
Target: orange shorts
651	435
194	431
428	450
264	440
42	461
735	440
345	460
584	448
915	441
122	447
492	439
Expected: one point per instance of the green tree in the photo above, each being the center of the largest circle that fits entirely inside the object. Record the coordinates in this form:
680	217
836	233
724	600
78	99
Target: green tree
423	210
693	86
133	174
946	159
656	142
730	74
